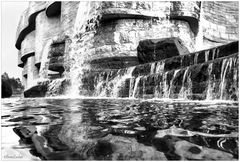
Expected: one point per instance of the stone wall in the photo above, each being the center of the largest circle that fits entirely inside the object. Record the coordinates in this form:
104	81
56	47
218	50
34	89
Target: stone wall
121	37
65	32
220	22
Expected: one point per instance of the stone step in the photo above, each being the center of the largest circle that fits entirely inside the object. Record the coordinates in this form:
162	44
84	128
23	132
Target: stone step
183	61
219	76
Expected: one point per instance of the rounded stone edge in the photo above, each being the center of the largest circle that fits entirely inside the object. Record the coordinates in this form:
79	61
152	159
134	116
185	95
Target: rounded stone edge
27	21
53	8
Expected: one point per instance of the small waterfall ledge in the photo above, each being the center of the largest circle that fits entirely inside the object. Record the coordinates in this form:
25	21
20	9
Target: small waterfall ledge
205	75
210	74
130	49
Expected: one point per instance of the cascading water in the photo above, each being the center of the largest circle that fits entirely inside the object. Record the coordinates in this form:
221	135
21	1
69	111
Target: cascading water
158	82
78	54
110	86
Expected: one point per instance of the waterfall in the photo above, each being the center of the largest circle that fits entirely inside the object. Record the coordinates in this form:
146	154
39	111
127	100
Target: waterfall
210	83
226	66
135	87
78	53
182	94
171	83
113	83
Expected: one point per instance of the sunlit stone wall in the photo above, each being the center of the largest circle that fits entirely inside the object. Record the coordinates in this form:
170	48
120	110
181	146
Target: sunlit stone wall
93	30
46	30
220	22
115	28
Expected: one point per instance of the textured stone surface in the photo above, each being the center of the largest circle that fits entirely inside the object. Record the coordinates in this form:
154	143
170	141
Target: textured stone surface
114	62
36	91
101	31
56	59
187	11
68	16
220	22
159	49
121	37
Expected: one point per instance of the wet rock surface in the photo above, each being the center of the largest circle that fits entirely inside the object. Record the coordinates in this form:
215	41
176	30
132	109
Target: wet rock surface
114	62
159	49
36	91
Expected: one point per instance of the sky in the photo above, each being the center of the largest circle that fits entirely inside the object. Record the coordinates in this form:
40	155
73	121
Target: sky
10	15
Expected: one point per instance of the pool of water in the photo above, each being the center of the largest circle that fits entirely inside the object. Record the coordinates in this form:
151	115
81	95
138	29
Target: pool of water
118	129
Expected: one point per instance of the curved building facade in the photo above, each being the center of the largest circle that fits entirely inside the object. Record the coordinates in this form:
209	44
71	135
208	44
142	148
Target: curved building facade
51	34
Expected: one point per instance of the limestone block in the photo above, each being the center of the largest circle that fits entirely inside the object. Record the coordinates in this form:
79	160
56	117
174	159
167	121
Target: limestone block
68	16
159	49
222	22
114	62
36	91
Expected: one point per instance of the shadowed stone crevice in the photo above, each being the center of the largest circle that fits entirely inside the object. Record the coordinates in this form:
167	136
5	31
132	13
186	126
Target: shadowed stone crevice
56	57
26	56
53	9
159	49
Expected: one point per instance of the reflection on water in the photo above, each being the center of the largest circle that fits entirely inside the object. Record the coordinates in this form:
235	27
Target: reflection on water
117	129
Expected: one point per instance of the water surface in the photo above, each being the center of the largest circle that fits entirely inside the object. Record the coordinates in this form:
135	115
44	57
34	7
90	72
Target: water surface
118	129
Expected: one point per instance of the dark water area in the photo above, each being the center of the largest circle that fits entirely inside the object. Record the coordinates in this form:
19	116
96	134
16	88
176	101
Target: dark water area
118	129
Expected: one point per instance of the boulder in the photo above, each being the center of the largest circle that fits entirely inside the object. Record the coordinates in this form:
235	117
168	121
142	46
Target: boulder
36	91
6	89
151	50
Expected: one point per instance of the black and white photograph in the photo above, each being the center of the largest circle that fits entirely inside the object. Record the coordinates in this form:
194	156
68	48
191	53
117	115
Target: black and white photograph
119	80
